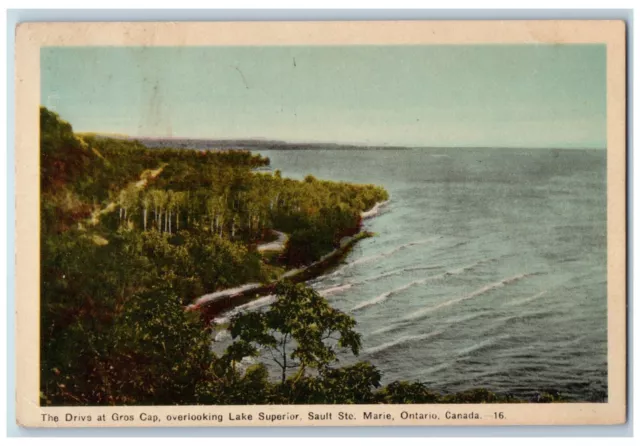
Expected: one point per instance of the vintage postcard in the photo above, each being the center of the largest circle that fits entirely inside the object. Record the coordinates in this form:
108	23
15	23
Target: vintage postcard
320	223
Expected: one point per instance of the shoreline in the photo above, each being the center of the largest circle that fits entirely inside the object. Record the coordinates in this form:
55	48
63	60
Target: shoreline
213	304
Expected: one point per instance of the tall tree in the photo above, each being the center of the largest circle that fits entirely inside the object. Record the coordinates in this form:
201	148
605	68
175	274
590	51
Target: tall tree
300	331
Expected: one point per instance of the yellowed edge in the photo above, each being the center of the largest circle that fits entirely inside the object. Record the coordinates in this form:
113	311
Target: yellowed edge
30	37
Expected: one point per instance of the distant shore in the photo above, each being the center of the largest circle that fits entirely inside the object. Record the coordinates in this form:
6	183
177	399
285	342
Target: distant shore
245	144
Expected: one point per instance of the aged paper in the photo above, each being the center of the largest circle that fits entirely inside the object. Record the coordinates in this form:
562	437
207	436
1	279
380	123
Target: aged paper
168	274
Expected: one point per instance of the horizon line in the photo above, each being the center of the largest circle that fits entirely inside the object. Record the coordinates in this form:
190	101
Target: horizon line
356	144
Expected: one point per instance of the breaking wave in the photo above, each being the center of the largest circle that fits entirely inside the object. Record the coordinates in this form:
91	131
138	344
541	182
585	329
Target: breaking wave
397	272
249	306
384	296
212	297
335	289
222	336
524	317
480	291
428	310
399	341
386	254
483	345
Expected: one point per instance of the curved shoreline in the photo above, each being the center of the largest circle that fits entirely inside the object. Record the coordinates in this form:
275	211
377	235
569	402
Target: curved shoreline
212	304
374	210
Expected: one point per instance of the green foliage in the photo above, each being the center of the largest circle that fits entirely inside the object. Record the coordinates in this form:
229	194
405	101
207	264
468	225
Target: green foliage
403	392
296	331
158	353
151	353
63	156
353	384
553	396
130	235
314	236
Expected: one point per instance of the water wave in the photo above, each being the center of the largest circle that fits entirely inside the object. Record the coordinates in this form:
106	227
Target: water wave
459	320
459	244
480	291
570	342
249	306
212	297
399	341
526	299
344	267
421	268
428	310
375	210
397	272
482	345
335	289
384	296
337	272
222	336
392	251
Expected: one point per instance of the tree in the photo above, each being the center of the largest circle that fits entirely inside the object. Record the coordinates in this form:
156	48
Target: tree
404	392
353	384
300	332
158	198
158	353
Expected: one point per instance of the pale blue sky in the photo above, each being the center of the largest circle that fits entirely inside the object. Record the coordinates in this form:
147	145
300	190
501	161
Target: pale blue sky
488	95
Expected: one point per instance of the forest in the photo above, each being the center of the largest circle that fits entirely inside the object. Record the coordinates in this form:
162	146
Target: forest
131	235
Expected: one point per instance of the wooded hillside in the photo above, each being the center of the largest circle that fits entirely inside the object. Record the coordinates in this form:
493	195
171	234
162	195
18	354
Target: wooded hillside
130	235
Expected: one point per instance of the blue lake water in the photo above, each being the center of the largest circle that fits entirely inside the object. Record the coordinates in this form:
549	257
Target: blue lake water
488	268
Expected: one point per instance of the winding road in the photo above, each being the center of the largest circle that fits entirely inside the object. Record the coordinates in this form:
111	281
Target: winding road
145	176
276	245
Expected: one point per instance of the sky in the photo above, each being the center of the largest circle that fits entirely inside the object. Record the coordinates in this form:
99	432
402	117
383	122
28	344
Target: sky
529	95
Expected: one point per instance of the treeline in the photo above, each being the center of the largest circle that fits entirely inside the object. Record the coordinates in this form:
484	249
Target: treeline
120	222
238	205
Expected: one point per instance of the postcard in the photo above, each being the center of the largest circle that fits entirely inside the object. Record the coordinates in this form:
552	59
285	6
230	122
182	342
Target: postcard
320	223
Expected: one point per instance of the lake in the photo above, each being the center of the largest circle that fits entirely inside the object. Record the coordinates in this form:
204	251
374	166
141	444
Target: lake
488	268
